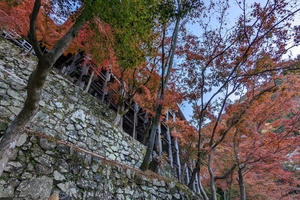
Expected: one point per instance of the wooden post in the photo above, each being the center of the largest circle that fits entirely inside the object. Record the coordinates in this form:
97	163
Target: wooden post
84	71
196	184
197	188
72	67
89	83
187	174
177	159
158	139
135	120
169	142
66	70
145	128
104	88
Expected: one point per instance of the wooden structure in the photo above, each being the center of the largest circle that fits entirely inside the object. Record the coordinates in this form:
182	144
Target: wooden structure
16	38
136	121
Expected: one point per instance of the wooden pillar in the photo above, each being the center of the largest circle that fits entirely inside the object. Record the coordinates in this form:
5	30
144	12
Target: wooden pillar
84	71
64	69
177	159
104	88
197	188
187	174
135	119
72	67
67	66
158	140
169	142
90	82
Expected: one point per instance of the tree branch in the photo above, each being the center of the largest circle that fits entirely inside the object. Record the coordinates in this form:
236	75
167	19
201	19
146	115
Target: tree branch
227	173
32	31
65	41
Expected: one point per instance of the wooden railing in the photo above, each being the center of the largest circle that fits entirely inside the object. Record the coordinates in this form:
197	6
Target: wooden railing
17	39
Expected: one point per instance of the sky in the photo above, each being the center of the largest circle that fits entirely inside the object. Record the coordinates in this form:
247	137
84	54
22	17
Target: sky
58	16
232	16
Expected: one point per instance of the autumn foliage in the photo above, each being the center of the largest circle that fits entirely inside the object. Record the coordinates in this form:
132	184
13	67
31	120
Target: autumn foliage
48	32
243	139
254	134
263	143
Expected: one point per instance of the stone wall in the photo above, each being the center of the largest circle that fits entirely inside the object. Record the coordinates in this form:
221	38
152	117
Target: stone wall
82	156
40	166
66	112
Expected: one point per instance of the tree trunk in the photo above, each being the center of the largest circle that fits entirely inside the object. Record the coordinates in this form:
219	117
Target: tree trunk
122	109
202	191
35	85
193	177
118	121
241	184
16	128
212	179
165	75
147	128
146	161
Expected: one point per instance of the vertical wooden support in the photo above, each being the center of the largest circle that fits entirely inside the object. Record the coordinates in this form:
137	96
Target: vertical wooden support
177	152
84	71
197	188
187	174
90	81
104	88
169	142
64	69
146	128
158	140
194	185
177	157
73	64
135	119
